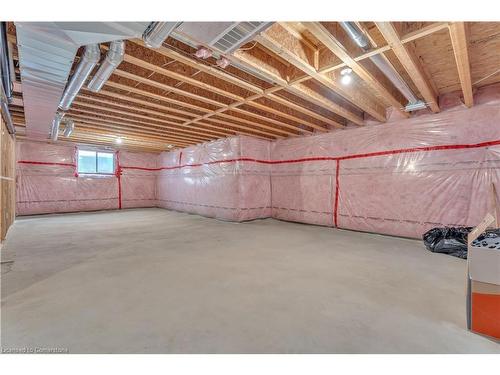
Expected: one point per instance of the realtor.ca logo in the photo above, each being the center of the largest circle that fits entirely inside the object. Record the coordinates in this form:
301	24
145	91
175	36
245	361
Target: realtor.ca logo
34	350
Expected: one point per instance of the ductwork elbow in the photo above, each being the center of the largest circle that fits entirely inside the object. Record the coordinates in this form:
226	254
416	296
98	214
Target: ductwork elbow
113	58
157	32
89	60
54	132
355	34
69	127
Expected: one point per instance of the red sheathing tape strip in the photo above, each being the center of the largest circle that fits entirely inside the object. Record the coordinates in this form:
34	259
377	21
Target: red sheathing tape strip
322	158
46	163
337	189
311	159
331	158
119	178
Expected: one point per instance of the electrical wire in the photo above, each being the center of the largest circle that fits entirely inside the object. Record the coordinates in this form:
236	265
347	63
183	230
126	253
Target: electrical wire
186	54
247	49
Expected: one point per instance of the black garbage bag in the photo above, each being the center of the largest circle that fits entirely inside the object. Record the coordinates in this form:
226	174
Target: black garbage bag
447	240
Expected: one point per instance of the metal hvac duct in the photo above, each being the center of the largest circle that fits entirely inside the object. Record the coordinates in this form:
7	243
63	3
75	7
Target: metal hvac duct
360	39
6	81
5	113
69	127
89	60
157	32
5	65
54	132
113	58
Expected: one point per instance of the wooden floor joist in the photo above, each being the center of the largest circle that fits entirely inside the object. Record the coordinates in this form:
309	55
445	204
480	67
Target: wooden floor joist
112	120
230	79
271	40
330	42
201	98
410	63
459	41
145	93
123	132
282	83
156	121
105	123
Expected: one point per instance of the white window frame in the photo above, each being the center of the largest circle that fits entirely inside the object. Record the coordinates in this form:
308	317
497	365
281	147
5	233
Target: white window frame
96	150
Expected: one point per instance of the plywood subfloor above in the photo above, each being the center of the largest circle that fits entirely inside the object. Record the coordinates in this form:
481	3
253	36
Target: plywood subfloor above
163	97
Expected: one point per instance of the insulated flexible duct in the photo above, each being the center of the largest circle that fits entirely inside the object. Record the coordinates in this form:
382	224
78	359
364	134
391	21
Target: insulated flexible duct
69	126
54	132
89	59
113	58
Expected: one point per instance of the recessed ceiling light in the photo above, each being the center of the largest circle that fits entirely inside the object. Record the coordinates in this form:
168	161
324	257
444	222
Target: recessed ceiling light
118	140
170	146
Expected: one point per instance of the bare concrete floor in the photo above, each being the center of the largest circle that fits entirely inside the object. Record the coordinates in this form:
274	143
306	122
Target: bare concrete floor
154	281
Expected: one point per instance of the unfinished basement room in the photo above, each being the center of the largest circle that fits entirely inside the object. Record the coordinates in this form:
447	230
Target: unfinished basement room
250	187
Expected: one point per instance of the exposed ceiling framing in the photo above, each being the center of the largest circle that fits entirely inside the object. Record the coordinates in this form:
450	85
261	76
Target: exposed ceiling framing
168	96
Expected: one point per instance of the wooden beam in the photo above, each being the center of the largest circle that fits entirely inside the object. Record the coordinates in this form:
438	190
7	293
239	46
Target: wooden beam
298	89
282	43
424	31
165	87
162	106
116	120
157	119
129	140
167	116
101	136
459	41
113	130
156	96
192	106
330	42
277	112
170	53
427	30
410	63
240	100
306	111
213	128
414	35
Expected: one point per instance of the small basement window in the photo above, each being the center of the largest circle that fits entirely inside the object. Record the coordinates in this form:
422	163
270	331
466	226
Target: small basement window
96	162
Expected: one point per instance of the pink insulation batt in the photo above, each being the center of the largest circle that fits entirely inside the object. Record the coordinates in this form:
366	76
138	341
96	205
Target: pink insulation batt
399	178
47	181
396	193
138	184
211	180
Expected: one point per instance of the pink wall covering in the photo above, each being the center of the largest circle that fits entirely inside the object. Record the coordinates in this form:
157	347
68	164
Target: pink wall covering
232	190
399	178
47	181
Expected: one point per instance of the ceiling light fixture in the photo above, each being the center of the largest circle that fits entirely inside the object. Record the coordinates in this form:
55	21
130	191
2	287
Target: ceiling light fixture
346	76
119	140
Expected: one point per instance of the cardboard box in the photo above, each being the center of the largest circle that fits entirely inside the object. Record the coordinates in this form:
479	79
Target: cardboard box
483	285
